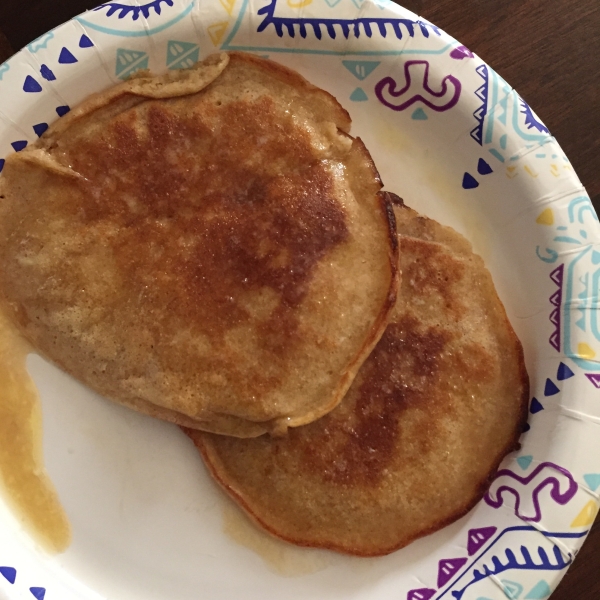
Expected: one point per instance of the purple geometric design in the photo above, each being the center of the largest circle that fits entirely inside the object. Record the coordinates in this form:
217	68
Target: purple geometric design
594	378
564	372
38	592
420	594
550	388
557	275
441	100
447	568
61	111
461	52
478	537
9	573
2	161
508	481
556	300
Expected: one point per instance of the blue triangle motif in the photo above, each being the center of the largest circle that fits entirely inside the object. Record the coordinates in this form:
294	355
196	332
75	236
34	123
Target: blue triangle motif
536	406
2	161
469	182
40	128
19	145
512	589
524	461
361	69
592	480
31	85
480	92
483	168
550	388
66	58
47	73
540	590
85	42
9	573
419	115
358	95
61	111
526	427
38	592
563	372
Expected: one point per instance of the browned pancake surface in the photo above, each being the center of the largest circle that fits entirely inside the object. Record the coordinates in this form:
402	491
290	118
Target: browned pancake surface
209	248
434	409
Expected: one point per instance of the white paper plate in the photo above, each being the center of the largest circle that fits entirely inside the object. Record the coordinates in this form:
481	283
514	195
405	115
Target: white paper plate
458	144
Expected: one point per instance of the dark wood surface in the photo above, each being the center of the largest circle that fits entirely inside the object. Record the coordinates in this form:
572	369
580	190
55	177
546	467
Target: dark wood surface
549	50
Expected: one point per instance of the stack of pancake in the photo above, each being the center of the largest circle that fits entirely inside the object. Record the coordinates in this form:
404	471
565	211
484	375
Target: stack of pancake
212	247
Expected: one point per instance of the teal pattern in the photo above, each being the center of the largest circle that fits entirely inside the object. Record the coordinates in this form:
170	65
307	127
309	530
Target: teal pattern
539	592
181	55
359	95
361	69
130	61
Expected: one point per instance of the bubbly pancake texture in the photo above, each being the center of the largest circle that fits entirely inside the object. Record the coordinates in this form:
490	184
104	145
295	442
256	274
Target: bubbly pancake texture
208	246
415	442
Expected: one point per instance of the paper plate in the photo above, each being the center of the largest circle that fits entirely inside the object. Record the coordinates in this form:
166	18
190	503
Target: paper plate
458	144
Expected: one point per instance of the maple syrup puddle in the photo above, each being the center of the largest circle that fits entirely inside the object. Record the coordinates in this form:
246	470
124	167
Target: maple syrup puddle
27	488
281	557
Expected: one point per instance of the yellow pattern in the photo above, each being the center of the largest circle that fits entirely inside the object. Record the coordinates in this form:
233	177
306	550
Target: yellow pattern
228	5
511	172
530	171
298	3
554	170
586	516
217	31
585	351
546	217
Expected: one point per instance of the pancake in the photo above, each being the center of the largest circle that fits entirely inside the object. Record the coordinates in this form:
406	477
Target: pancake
208	246
417	439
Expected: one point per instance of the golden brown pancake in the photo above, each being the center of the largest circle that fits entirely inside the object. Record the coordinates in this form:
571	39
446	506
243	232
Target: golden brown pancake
413	445
208	246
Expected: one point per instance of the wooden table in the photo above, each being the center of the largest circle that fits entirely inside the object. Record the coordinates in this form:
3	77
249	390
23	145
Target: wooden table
546	49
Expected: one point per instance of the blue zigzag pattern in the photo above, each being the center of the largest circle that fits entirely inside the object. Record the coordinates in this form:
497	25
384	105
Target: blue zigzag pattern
125	9
480	113
364	25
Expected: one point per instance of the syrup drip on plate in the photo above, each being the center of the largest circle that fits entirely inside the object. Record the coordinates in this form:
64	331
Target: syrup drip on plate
26	486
